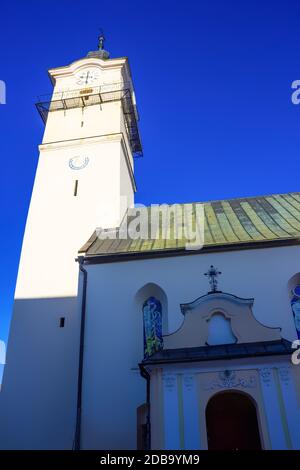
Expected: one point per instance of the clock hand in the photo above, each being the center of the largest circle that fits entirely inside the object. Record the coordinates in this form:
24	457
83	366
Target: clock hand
87	77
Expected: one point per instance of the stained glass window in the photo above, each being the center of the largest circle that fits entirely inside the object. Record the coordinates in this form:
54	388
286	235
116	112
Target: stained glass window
295	303
152	317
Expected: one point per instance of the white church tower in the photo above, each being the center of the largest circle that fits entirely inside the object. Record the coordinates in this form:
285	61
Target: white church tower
85	170
84	179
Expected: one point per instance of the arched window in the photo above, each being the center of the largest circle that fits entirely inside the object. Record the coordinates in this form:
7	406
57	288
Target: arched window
295	303
152	317
220	331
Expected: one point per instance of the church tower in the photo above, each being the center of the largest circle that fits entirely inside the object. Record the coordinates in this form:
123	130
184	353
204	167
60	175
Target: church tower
85	175
84	179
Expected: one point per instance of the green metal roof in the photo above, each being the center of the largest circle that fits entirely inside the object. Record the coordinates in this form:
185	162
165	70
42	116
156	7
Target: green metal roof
229	224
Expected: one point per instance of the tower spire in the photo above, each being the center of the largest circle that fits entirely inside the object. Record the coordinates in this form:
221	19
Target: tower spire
101	53
101	39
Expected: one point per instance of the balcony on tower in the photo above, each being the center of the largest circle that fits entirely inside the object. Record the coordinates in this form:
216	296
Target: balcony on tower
97	96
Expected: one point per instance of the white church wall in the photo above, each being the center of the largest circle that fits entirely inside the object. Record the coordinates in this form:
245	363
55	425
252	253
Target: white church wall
89	121
126	181
123	130
2	359
38	403
111	292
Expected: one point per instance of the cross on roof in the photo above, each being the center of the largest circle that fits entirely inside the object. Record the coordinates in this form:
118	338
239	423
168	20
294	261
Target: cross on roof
213	274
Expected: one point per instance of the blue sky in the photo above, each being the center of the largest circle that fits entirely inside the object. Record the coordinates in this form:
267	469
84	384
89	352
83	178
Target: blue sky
213	84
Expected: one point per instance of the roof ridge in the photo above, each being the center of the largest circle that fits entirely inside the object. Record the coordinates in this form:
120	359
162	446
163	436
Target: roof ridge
209	201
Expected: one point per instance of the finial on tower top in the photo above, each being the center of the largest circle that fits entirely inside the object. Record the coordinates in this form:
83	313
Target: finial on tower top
101	39
101	53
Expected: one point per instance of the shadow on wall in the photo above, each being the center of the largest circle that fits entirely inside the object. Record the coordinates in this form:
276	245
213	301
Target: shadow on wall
39	389
152	290
2	359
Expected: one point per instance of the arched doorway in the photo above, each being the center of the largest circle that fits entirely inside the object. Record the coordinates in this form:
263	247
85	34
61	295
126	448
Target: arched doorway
231	422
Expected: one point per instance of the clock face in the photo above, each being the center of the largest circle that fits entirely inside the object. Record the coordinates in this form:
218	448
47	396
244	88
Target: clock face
78	162
87	76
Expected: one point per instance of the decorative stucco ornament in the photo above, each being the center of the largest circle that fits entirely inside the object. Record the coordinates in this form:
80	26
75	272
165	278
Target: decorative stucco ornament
228	379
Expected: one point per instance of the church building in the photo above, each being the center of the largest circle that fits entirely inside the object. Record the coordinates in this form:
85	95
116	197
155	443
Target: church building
164	327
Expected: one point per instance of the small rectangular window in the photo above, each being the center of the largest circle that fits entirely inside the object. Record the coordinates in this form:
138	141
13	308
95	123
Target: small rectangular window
76	188
62	322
